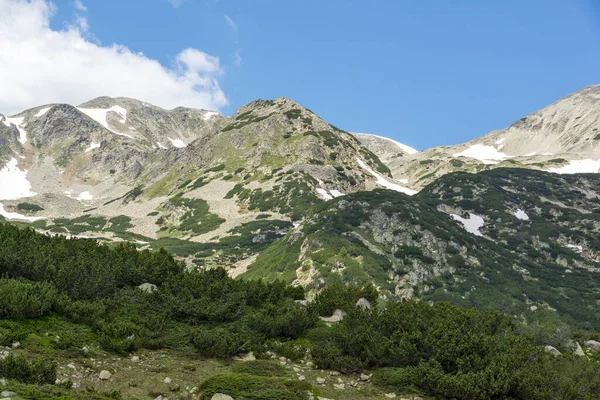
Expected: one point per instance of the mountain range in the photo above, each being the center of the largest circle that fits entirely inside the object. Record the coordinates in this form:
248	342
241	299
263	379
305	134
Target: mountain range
509	220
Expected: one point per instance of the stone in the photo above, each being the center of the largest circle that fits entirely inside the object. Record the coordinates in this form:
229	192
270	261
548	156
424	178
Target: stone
148	287
310	364
363	303
296	369
321	381
3	382
338	315
334	373
552	350
168	380
533	308
161	398
578	350
135	359
365	377
339	386
72	366
592	345
390	395
7	393
16	345
221	396
302	378
105	375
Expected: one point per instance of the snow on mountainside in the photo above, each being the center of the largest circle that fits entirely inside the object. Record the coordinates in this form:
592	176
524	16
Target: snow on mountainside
563	137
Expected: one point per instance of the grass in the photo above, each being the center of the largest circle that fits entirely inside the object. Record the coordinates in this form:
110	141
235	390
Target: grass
29	207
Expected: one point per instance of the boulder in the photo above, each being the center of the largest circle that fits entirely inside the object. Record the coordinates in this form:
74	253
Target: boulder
552	350
7	393
105	375
221	396
578	350
338	315
592	345
135	359
148	287
390	395
321	381
339	386
363	303
168	380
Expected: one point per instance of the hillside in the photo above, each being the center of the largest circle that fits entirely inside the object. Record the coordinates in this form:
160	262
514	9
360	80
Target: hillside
563	137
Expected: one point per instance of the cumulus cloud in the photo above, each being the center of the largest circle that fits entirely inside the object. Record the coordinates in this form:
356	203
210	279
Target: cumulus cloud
40	65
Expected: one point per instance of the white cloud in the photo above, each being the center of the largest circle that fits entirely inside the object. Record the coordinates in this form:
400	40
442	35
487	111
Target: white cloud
80	6
231	23
238	57
176	3
40	65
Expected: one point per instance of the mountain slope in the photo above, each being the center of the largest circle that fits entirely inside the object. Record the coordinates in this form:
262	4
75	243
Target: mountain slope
563	137
510	239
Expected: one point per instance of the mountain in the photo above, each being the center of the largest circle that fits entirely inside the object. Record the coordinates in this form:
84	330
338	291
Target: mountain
563	137
121	169
274	191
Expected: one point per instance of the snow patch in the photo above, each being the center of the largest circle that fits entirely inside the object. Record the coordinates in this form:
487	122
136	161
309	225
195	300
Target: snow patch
161	146
42	112
18	122
177	143
485	154
575	247
92	147
84	196
99	115
209	114
578	167
324	195
385	183
13	215
520	214
404	181
471	224
336	193
500	141
13	182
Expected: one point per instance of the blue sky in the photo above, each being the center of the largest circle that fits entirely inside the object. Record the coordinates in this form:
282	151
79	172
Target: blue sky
424	73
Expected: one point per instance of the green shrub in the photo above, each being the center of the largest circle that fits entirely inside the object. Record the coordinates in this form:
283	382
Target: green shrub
35	371
22	299
29	207
217	342
249	387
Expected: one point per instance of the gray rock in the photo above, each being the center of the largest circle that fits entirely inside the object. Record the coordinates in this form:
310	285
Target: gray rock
552	350
148	287
16	345
363	303
592	345
135	359
578	350
338	315
105	375
321	381
7	393
3	382
339	386
168	380
221	396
